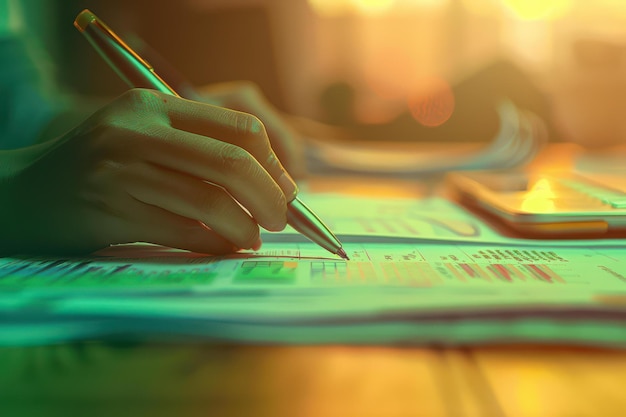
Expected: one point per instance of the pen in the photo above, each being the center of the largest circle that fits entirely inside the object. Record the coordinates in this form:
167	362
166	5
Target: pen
138	73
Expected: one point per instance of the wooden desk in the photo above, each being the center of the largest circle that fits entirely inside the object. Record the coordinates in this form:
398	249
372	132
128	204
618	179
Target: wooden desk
94	378
153	379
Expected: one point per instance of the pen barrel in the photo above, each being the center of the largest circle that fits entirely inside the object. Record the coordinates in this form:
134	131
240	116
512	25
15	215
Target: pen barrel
136	72
302	219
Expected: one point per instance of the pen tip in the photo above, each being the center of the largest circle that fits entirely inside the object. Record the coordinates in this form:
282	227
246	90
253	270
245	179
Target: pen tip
342	253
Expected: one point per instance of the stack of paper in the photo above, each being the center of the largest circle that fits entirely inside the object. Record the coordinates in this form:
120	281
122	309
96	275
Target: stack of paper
520	137
445	280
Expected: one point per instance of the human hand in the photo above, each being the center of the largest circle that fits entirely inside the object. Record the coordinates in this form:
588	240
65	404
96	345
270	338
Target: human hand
148	167
247	97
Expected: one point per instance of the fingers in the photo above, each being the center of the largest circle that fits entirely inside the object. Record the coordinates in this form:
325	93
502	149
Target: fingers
223	164
237	128
285	141
247	97
194	169
146	223
194	199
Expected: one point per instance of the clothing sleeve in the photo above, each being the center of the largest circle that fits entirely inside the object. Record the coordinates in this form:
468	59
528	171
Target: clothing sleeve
25	108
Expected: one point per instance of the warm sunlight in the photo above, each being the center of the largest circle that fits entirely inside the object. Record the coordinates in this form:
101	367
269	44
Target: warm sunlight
539	197
542	188
373	7
537	9
332	8
433	102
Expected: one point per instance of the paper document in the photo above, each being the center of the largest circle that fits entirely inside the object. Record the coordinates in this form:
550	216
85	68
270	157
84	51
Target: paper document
295	293
357	219
420	271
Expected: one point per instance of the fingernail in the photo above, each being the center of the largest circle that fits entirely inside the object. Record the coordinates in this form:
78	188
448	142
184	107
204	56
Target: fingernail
288	185
257	245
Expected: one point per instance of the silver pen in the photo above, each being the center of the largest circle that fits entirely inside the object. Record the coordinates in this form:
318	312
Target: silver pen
137	72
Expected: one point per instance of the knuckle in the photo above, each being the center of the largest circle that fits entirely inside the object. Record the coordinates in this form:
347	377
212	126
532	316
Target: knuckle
248	126
136	113
232	158
143	100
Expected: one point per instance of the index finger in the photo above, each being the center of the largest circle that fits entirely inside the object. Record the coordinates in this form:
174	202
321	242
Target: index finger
235	127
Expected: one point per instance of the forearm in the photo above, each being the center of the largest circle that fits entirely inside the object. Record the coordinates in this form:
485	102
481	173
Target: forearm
32	109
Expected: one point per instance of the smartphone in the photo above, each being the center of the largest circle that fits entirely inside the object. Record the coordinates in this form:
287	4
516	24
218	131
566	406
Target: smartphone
551	204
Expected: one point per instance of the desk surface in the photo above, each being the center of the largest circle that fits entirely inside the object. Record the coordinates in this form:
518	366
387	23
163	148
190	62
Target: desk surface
97	378
156	379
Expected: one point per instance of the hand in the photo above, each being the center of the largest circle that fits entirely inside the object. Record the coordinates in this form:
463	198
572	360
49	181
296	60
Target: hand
247	97
148	167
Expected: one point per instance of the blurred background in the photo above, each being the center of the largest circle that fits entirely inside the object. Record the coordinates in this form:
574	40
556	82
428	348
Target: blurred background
388	69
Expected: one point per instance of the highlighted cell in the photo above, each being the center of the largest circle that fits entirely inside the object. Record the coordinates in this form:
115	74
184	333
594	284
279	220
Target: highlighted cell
266	272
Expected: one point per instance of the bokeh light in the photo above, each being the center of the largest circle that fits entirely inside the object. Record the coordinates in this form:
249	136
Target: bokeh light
333	8
373	7
432	103
537	9
539	198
